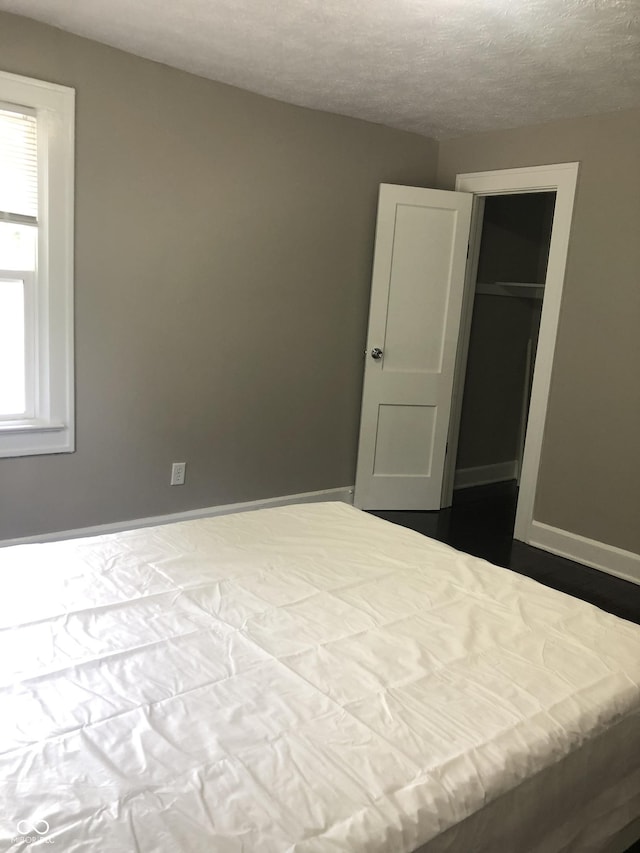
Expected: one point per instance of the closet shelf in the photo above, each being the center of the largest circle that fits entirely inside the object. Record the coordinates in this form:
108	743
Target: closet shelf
528	290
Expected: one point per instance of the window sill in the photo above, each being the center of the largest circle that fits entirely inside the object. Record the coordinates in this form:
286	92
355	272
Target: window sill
31	426
35	438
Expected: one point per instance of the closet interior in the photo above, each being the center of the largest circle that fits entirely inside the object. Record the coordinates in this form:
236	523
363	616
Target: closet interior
509	292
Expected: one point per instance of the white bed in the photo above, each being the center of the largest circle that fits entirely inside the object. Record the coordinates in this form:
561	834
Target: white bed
307	679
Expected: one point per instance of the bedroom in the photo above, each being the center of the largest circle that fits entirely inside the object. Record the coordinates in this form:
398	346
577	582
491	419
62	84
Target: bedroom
197	202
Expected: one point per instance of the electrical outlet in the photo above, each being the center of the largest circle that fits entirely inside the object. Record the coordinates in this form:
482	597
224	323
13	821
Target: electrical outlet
178	471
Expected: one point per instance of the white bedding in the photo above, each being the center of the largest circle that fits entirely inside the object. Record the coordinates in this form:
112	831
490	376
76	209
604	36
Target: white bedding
306	678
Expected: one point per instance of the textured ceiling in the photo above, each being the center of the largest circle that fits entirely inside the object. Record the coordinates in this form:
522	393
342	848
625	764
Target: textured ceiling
443	68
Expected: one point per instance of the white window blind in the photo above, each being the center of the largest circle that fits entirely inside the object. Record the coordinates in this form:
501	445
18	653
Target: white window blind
18	167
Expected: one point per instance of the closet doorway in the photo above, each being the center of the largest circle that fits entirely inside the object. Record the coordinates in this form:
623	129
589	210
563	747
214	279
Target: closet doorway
515	273
505	322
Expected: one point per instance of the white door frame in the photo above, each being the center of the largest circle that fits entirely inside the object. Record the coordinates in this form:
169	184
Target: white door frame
561	178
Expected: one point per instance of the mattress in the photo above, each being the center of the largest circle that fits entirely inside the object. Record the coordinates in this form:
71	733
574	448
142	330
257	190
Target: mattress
306	678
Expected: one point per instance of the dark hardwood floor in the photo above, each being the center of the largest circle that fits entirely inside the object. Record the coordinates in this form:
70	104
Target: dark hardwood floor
480	522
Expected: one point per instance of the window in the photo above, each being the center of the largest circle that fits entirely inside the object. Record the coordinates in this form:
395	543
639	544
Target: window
36	266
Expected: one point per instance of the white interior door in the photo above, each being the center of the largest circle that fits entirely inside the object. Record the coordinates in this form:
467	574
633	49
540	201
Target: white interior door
416	297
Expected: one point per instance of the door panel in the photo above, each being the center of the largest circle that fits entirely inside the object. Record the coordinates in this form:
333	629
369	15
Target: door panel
416	297
417	334
400	446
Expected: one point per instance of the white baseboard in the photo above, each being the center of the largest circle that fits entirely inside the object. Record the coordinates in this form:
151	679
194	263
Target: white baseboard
482	475
607	558
345	494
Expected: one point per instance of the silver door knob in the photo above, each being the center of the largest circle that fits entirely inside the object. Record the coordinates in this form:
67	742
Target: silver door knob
376	353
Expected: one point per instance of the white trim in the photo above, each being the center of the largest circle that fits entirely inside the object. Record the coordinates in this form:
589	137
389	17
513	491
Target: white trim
32	425
52	316
483	475
344	494
607	558
561	178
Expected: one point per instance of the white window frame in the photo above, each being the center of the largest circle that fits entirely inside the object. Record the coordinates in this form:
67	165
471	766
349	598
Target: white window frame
50	429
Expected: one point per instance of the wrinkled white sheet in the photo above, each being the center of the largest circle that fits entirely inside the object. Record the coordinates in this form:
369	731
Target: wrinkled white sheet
304	678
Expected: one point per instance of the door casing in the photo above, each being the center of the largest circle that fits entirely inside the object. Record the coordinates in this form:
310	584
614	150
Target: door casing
562	179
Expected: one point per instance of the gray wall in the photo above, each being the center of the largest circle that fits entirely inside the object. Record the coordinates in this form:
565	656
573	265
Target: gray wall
223	257
590	469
